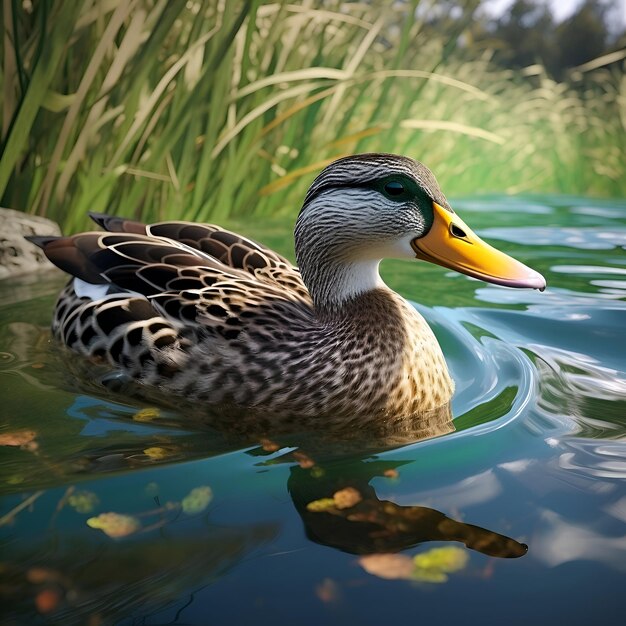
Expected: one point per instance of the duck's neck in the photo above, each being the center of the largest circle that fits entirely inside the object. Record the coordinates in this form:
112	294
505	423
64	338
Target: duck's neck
335	284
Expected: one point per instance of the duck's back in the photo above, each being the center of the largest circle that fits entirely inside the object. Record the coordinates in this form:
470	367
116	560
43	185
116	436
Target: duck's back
142	295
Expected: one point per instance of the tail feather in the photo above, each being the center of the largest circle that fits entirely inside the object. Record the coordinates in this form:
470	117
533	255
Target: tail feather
41	240
66	255
114	224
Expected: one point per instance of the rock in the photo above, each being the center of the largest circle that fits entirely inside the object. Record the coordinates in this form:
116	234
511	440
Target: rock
18	256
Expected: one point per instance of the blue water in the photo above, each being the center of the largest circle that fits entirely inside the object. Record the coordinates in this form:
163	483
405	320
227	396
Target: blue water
537	456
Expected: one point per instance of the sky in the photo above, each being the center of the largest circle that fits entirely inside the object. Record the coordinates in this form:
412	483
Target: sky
561	9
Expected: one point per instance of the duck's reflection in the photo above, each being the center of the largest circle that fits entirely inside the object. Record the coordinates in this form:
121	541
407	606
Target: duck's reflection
340	509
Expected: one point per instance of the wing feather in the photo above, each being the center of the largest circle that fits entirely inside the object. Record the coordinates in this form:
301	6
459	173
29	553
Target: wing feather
228	248
183	282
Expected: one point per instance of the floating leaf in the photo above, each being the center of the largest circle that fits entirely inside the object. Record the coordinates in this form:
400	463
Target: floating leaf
447	559
40	575
146	415
429	576
17	438
152	489
197	500
328	591
346	498
304	460
157	453
323	504
389	566
47	600
115	525
342	499
317	472
83	501
269	446
434	565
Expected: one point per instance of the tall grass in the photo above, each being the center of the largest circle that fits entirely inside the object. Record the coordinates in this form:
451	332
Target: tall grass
204	110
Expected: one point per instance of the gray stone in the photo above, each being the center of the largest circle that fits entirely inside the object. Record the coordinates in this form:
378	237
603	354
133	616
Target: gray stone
18	256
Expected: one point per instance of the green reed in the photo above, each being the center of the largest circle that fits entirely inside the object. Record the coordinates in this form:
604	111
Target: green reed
217	109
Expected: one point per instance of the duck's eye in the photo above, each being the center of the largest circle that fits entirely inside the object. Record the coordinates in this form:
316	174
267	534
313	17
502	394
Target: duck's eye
394	188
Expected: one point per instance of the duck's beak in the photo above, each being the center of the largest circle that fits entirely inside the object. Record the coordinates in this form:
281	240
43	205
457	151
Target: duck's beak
452	244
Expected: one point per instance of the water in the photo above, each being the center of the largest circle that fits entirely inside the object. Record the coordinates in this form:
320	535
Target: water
215	526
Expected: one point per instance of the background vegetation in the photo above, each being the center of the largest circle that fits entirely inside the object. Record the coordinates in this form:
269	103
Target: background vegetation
204	110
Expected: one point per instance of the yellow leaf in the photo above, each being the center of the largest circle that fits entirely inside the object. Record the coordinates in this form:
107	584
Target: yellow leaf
197	500
321	505
429	576
17	438
115	525
447	559
346	498
146	415
389	566
83	501
434	565
156	453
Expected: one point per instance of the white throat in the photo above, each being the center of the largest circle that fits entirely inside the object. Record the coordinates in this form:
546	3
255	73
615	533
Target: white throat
359	277
345	281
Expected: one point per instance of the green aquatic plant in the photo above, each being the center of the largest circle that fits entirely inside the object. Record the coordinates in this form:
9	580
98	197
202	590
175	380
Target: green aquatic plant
208	110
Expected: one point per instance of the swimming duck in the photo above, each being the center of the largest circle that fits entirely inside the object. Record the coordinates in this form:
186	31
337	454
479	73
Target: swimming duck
204	313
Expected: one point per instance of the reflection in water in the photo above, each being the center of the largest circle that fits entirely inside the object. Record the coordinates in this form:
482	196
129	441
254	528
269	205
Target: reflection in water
585	239
597	459
24	346
340	509
470	491
105	436
594	391
73	577
561	542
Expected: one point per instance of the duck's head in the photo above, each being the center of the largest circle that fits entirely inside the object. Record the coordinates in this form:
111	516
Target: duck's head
363	208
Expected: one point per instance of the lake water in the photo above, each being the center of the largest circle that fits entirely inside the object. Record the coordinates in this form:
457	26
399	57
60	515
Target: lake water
115	511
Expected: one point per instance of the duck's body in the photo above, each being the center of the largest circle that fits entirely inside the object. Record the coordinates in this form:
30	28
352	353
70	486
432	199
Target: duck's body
206	314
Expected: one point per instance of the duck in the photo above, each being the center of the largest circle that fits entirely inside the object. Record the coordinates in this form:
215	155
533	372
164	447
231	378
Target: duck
207	315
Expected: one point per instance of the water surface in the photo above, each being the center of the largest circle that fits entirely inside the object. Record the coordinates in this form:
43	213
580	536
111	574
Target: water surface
209	524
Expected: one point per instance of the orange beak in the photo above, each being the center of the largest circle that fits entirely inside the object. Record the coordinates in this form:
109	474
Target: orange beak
452	244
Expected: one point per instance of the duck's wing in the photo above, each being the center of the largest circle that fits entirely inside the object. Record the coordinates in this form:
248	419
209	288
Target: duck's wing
134	295
228	248
186	283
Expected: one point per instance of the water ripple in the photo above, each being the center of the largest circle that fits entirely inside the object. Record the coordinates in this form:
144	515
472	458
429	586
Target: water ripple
581	238
597	459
